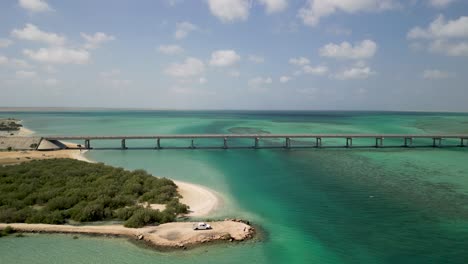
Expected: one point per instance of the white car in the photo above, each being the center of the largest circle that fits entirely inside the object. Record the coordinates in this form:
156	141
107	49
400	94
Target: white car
201	226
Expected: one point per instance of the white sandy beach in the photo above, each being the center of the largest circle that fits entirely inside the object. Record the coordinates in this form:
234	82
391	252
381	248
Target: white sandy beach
178	234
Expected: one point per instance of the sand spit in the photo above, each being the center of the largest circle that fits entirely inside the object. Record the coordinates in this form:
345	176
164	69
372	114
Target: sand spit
170	235
15	157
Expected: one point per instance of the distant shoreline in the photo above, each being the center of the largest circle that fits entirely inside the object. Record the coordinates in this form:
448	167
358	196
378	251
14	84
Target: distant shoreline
71	109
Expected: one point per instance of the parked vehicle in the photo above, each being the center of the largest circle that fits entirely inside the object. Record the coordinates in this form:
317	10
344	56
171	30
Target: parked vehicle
201	226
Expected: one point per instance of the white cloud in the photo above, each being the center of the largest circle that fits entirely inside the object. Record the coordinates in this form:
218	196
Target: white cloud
436	75
454	49
35	5
230	10
442	29
4	43
284	79
440	3
33	33
274	6
445	37
94	41
355	73
202	80
189	68
170	49
25	74
363	50
259	82
314	10
14	63
318	70
59	55
256	59
183	29
223	58
51	82
301	61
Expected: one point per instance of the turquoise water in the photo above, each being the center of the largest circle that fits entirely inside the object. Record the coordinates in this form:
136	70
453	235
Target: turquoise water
325	206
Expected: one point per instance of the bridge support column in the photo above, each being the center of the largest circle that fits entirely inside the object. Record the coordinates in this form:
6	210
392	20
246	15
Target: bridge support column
288	143
349	142
158	143
225	145
436	142
462	142
379	142
192	144
87	144
123	144
408	142
256	144
318	142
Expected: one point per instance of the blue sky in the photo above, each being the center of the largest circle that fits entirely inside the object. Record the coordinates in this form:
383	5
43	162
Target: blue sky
235	54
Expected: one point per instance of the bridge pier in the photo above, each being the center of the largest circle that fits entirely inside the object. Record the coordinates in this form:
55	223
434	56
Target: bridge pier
158	143
436	142
87	144
123	144
192	144
462	142
318	142
349	142
379	142
225	145
256	144
408	142
288	143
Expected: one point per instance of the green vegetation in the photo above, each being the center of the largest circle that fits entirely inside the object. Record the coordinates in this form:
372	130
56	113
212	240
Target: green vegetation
9	125
7	231
59	190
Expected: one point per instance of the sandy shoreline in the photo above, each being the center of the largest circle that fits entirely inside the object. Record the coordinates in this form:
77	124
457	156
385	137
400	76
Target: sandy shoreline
170	235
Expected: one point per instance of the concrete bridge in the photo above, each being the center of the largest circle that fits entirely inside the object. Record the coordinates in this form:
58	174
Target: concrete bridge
406	139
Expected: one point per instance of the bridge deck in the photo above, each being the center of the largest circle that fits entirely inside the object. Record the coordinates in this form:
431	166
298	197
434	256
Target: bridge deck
193	136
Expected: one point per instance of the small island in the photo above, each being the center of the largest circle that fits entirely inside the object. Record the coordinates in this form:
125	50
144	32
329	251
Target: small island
70	196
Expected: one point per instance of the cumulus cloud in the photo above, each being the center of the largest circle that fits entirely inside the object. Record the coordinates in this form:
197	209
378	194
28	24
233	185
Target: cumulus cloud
230	10
274	6
234	73
183	29
33	33
436	75
440	3
284	79
14	63
301	61
256	59
4	43
318	70
363	50
224	58
189	68
94	41
354	73
314	10
25	74
58	55
442	36
259	81
170	49
35	5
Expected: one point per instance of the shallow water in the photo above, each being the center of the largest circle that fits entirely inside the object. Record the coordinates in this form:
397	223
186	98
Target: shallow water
328	206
